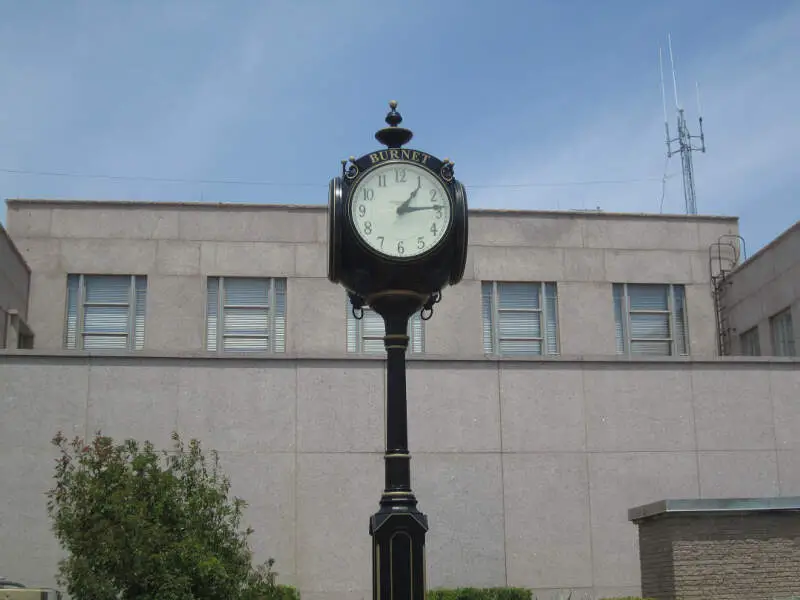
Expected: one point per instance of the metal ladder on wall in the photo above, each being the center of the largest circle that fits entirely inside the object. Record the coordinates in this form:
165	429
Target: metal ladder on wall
723	258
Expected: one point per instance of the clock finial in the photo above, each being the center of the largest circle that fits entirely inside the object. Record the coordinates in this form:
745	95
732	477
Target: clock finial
393	136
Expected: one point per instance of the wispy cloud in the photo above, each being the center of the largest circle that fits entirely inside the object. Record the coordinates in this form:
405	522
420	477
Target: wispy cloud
541	93
750	92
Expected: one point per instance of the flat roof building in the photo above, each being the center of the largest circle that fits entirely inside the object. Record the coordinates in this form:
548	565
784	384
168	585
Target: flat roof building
574	374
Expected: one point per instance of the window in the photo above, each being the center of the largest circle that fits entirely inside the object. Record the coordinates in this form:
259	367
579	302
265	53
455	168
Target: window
782	333
366	335
651	319
246	314
105	312
749	342
519	318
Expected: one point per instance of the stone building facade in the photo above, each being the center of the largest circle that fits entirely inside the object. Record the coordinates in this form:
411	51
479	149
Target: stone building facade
572	375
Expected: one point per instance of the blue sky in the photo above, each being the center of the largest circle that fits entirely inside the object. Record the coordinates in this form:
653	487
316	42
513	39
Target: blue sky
532	99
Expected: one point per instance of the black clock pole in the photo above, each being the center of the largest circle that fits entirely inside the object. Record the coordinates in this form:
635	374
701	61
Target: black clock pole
396	286
398	528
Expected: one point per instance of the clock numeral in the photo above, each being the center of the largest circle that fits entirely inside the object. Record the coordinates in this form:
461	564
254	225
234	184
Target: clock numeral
369	194
380	237
434	196
400	175
438	209
420	242
400	248
434	230
382	180
368	227
362	210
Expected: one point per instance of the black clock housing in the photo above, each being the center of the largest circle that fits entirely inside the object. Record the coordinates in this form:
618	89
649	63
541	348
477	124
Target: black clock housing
365	272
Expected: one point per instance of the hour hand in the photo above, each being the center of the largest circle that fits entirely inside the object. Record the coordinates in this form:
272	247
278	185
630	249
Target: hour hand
404	206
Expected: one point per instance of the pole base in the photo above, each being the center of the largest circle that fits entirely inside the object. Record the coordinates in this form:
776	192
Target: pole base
398	549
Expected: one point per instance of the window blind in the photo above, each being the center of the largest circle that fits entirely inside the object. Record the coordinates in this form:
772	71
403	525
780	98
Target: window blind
245	314
650	319
519	318
783	333
105	312
749	342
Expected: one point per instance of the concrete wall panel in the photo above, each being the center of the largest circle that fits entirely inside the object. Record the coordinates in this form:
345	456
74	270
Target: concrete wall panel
456	327
336	494
47	308
702	324
733	409
37	400
462	495
586	319
652	266
108	256
311	260
247	259
583	265
175	313
652	234
789	471
638	410
43	255
253	225
709	232
453	409
267	482
30	552
147	222
134	401
784	385
621	480
738	474
30	221
316	318
341	409
240	409
520	513
548	540
178	258
518	263
547	404
514	230
701	268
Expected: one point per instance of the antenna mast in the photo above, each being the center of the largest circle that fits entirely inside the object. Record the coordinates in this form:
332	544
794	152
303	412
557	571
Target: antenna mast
684	139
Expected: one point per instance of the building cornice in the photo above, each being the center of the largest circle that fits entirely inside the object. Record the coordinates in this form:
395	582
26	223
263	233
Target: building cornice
18	203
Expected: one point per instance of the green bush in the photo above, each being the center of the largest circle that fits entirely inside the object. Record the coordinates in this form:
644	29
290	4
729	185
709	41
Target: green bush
137	524
286	592
500	593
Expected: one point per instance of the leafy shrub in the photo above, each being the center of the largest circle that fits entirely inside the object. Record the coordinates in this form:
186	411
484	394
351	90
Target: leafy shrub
135	528
285	592
500	593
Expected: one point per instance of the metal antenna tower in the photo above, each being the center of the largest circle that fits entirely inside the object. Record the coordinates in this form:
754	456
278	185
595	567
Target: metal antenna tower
684	139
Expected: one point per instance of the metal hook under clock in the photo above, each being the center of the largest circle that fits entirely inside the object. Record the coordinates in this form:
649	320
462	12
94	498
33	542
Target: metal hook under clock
357	306
427	310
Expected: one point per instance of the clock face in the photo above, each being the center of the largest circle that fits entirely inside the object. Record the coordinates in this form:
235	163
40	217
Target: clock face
400	210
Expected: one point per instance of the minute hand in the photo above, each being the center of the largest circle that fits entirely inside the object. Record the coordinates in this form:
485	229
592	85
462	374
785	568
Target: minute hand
406	209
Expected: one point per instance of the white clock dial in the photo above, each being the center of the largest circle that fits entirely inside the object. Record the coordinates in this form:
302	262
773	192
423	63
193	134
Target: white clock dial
400	210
